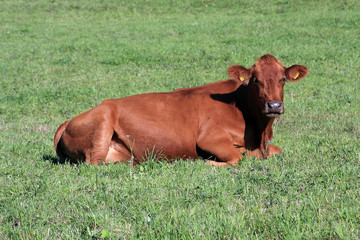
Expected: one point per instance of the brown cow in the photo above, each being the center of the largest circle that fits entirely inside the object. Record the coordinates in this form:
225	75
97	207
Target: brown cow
221	120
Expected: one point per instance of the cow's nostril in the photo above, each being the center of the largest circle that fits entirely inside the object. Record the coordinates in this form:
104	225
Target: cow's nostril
275	106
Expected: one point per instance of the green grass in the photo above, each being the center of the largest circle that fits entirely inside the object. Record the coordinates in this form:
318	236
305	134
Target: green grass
60	58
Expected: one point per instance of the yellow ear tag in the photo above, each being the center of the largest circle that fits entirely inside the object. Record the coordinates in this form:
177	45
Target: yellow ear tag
296	75
241	78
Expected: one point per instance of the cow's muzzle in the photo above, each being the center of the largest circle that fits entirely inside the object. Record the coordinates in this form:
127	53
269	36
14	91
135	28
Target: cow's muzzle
274	109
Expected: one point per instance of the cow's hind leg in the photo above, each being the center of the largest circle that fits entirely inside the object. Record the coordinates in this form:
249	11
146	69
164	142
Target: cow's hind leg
119	152
100	139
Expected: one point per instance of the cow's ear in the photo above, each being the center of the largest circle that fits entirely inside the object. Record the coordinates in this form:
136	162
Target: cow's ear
296	72
239	73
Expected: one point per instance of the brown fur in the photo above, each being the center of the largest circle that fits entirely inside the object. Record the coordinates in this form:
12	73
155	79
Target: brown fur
221	121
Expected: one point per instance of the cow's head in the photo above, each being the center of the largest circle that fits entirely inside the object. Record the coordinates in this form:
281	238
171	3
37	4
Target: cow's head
266	80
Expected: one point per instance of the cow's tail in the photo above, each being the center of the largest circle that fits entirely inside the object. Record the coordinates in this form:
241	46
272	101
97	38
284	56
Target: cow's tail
58	140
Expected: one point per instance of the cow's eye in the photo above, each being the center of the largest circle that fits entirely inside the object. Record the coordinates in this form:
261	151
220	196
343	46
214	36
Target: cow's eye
283	80
257	81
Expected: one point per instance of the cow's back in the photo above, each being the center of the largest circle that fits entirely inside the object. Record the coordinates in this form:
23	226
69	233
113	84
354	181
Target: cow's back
224	86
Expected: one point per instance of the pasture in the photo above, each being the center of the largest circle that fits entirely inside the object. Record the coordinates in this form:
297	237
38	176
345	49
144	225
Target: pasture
61	58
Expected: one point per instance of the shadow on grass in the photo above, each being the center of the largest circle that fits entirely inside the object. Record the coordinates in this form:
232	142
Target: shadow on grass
56	160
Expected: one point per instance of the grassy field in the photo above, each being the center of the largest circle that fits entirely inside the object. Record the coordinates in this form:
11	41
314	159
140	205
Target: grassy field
60	58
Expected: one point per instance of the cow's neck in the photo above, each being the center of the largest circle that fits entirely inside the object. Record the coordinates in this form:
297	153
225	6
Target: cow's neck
264	127
262	124
266	133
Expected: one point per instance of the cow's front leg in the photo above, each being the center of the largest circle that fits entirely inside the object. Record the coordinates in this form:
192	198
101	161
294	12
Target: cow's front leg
220	164
221	148
272	150
258	153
